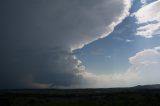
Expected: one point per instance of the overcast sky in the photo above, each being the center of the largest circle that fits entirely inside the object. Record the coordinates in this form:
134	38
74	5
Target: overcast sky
79	43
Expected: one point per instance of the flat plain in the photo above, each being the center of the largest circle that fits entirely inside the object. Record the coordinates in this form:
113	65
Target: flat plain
135	96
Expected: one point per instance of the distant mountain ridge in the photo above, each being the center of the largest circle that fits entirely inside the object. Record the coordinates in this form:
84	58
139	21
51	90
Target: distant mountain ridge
154	86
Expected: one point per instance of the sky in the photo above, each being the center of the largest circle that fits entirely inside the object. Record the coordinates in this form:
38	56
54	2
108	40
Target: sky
79	44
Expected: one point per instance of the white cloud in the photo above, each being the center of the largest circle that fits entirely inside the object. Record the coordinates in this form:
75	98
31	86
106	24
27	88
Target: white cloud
148	18
144	69
147	64
129	40
145	2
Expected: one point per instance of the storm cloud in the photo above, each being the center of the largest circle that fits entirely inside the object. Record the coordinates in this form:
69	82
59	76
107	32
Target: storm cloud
38	39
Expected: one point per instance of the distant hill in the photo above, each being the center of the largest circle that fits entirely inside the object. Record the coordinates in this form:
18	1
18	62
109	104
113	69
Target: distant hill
155	86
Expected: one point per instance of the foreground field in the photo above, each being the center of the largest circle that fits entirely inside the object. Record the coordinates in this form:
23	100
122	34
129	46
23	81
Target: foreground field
81	97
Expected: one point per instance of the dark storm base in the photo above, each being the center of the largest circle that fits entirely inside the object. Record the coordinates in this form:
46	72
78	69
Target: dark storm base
81	97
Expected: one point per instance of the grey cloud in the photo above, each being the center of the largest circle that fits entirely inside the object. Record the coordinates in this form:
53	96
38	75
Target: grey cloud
54	67
45	23
30	28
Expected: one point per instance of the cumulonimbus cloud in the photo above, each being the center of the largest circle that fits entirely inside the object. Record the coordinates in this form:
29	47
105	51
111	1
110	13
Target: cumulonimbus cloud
146	64
39	36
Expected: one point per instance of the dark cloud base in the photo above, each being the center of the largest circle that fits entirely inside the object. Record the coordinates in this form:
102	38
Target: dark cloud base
37	37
